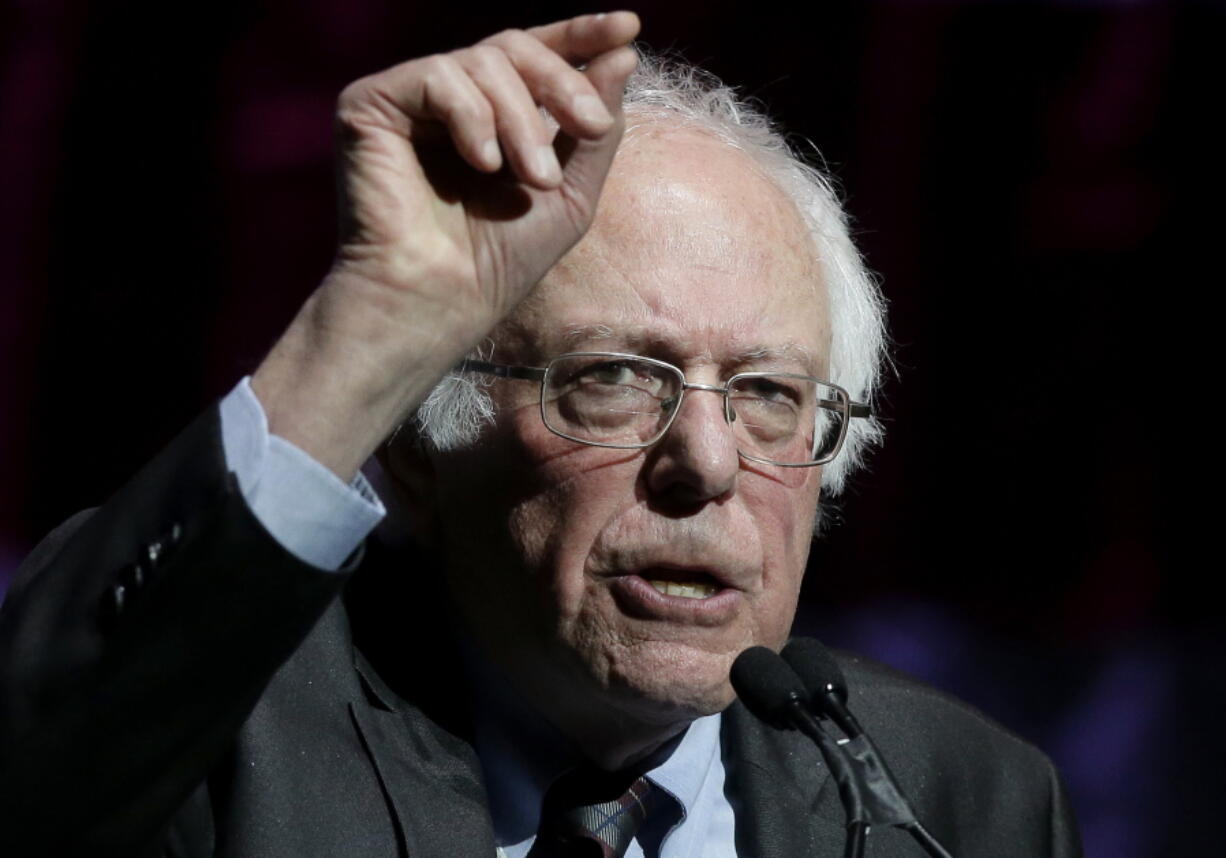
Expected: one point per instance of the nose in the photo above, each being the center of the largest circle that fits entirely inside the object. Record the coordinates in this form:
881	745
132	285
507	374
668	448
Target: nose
697	460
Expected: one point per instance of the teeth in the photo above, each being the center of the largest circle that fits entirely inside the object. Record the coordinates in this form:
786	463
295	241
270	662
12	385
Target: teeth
687	591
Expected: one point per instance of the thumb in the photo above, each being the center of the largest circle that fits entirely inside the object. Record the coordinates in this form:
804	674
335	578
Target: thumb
609	72
585	163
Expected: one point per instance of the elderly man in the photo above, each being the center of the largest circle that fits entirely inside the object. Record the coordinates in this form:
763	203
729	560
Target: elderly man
635	340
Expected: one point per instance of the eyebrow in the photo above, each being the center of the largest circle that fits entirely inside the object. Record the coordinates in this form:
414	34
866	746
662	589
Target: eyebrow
784	351
635	337
577	333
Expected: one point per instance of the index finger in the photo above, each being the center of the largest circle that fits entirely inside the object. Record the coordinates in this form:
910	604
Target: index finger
578	40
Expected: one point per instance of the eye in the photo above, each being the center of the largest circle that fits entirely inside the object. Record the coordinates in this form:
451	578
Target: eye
769	389
611	372
622	373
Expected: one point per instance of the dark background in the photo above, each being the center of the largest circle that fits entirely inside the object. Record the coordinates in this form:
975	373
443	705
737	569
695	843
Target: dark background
1035	183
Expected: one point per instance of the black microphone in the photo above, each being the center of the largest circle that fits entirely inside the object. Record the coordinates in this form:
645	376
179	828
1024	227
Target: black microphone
824	681
769	688
772	691
883	798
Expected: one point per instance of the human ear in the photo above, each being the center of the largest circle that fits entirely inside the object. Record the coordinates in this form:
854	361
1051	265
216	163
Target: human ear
411	475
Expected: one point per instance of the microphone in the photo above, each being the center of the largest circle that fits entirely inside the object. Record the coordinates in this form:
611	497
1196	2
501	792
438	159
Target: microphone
827	689
824	681
769	688
772	691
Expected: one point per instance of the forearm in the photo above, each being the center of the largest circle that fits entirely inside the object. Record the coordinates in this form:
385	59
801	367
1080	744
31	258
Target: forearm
326	385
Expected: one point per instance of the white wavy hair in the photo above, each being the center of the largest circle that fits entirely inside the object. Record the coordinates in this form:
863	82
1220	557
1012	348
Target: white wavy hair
458	409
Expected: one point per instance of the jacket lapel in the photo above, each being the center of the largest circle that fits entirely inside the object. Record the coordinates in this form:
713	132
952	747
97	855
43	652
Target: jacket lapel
431	777
409	712
785	802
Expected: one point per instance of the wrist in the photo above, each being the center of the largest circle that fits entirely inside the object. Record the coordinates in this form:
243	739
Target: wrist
353	364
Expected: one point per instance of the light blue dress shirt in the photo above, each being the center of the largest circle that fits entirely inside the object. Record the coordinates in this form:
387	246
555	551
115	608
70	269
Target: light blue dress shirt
307	508
700	820
321	520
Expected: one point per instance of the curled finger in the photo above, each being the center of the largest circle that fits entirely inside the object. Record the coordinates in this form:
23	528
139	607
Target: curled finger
522	131
555	84
450	95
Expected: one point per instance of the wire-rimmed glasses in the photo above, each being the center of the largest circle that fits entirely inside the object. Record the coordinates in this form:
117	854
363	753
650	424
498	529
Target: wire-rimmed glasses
609	399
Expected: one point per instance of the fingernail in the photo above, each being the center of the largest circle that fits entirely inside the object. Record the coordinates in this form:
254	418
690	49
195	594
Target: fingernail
546	164
591	110
490	153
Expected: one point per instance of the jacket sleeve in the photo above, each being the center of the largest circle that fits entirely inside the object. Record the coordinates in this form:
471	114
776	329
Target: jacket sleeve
134	642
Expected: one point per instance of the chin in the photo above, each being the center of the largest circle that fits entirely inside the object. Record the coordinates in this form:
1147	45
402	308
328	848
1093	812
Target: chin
666	682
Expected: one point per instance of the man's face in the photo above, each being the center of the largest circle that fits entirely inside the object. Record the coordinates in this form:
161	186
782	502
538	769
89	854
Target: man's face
557	551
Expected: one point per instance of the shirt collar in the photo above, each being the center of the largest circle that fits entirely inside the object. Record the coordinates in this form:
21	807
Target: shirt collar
521	754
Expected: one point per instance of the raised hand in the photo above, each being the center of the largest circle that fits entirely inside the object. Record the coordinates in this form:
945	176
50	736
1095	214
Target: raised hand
457	195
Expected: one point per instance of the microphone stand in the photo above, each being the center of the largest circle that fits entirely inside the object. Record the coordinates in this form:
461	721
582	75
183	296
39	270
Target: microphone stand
880	792
845	778
773	690
926	841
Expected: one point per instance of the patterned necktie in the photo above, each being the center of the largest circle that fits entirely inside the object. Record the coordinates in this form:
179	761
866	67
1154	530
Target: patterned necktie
578	819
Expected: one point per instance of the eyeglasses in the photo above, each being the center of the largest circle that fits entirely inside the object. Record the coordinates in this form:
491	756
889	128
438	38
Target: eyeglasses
629	402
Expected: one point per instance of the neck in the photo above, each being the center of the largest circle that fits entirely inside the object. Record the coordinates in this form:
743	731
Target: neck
592	723
615	744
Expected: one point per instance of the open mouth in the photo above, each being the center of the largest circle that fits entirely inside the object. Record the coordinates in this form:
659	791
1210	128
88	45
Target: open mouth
690	597
688	584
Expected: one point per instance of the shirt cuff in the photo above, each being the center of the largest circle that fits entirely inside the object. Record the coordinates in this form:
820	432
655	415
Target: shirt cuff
308	509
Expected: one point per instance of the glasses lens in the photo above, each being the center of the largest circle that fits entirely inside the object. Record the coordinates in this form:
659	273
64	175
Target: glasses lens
609	399
787	419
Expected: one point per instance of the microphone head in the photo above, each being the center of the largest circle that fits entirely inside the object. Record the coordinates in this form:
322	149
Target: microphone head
766	685
816	668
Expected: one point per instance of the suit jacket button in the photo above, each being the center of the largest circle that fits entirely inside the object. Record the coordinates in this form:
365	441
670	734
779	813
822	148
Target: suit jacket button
159	549
113	601
132	576
152	554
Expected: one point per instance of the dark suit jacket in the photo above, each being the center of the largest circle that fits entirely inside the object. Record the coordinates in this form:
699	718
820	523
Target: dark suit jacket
172	682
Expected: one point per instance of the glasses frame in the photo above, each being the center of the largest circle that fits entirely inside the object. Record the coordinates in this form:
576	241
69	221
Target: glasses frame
540	374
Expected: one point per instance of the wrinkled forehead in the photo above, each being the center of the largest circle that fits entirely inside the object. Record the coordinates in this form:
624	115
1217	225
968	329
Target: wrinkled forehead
690	239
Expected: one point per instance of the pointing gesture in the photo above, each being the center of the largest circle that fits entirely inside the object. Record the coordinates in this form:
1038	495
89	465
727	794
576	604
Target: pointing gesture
456	196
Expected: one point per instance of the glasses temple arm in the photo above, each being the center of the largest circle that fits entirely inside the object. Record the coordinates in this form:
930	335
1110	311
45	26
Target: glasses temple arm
854	409
528	373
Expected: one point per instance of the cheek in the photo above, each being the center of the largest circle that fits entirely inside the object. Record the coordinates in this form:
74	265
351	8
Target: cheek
783	506
577	492
784	515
